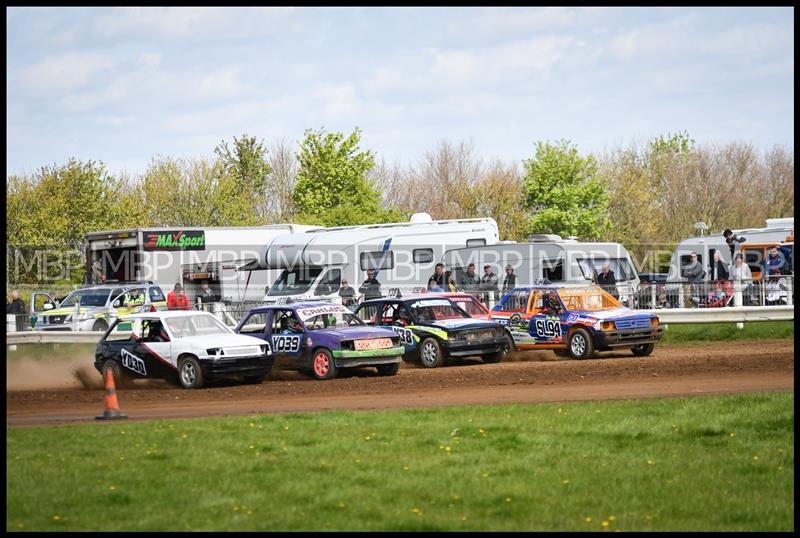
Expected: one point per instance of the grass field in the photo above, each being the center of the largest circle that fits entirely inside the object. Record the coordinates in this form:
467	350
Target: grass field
708	463
687	332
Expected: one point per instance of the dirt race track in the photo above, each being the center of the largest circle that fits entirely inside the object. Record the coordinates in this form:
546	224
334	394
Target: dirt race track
672	371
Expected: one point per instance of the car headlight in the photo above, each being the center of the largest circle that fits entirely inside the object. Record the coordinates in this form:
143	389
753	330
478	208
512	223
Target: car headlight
215	351
654	322
605	326
85	316
265	350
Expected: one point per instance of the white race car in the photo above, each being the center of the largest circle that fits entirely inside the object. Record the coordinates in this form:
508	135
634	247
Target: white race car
184	346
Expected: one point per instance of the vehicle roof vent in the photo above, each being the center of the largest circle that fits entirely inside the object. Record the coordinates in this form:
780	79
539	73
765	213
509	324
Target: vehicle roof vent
543	238
420	217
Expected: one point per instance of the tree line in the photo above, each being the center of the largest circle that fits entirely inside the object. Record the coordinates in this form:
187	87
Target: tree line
638	195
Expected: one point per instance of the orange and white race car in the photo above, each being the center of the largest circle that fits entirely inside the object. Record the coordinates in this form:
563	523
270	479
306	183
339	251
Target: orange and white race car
574	320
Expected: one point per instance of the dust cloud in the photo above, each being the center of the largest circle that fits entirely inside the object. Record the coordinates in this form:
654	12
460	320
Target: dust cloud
31	374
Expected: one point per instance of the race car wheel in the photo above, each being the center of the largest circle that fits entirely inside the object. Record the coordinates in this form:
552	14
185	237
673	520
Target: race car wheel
323	366
430	353
190	373
580	344
121	379
643	350
100	325
388	369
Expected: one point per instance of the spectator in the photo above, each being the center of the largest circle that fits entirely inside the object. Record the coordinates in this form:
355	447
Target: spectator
451	283
206	295
17	307
433	286
177	299
740	272
693	272
510	281
98	276
488	284
608	281
133	297
347	293
470	282
731	239
718	269
371	288
774	261
776	288
438	274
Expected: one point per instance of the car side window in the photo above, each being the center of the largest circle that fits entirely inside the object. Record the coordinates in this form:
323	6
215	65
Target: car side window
156	294
367	313
120	332
254	324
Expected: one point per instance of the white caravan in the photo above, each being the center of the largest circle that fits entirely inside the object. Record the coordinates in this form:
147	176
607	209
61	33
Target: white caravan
776	231
189	255
403	255
547	257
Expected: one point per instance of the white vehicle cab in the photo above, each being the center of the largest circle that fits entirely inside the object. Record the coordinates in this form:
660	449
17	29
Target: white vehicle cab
189	347
402	255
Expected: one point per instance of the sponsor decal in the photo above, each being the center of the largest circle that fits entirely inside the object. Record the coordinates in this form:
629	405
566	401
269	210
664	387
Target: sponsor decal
174	240
132	362
285	344
374	343
430	302
307	313
549	328
406	336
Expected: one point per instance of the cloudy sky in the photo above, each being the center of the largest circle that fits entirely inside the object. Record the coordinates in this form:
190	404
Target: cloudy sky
124	85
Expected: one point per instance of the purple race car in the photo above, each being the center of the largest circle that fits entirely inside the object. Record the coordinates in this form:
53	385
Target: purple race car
320	338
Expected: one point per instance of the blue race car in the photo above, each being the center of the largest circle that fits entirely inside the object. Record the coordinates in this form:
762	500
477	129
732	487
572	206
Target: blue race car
575	321
320	338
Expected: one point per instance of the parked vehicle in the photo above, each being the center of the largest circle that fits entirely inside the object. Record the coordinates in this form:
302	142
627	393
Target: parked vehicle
434	329
223	256
402	254
574	320
186	347
96	307
322	338
551	258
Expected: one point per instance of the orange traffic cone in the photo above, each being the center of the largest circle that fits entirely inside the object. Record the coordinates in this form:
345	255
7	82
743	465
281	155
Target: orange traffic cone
112	408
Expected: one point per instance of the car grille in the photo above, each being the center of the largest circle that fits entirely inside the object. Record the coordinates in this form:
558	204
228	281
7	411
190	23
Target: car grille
54	320
632	323
242	351
473	336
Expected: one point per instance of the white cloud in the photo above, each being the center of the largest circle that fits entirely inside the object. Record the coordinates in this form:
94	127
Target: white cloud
114	121
65	72
150	59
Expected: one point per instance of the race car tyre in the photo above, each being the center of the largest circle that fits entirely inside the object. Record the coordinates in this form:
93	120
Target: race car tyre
430	353
491	358
100	325
643	350
323	366
561	352
254	379
580	344
121	379
190	373
388	369
510	342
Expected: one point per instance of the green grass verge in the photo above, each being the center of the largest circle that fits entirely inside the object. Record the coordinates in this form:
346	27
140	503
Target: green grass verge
705	463
756	330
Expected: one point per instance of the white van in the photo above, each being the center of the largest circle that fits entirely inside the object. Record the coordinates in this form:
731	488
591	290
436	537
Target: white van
548	257
403	255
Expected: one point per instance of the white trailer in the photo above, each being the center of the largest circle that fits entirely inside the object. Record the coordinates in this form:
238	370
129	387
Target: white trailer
548	257
188	255
403	255
777	231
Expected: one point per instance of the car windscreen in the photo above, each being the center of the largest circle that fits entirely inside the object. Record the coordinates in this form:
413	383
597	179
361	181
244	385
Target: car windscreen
294	281
199	325
87	298
332	321
435	309
591	299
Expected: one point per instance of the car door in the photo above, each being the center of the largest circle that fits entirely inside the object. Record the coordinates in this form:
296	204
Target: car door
546	329
287	345
395	316
156	354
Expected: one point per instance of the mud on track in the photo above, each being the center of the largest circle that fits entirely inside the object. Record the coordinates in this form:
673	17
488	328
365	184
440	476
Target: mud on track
671	371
